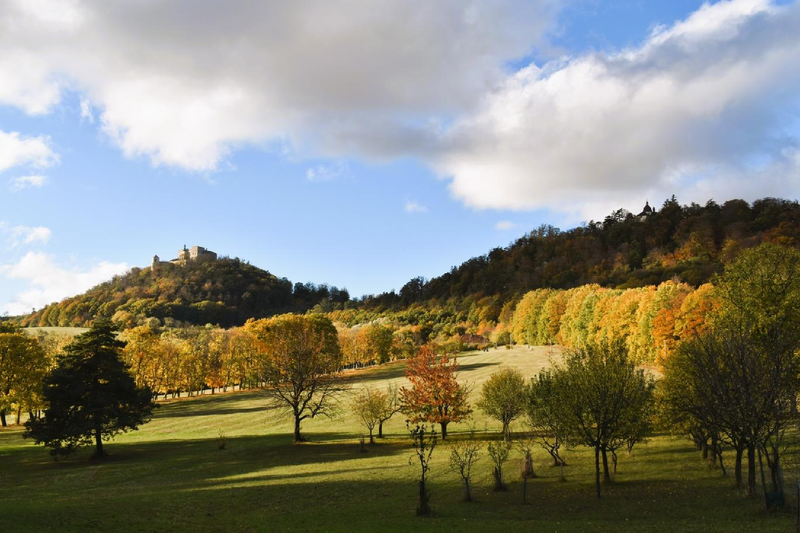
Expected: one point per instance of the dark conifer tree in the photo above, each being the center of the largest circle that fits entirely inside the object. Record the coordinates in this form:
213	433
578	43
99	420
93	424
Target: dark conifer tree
91	396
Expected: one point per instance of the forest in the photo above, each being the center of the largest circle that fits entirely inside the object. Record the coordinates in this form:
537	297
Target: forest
686	244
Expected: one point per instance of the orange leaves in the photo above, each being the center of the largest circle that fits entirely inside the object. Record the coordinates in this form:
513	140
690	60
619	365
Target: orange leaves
435	395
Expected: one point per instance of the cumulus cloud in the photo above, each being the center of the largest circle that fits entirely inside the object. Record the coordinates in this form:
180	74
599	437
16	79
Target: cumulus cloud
414	207
703	108
185	82
20	235
23	182
706	105
18	150
47	281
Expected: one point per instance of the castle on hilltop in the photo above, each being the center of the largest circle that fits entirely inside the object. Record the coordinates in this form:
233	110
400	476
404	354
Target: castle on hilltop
195	254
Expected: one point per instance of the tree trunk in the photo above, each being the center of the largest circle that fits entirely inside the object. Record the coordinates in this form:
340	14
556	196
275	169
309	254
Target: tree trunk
3	417
763	479
606	473
19	415
297	436
371	440
797	523
524	491
380	429
467	491
507	431
498	478
738	467
98	439
704	448
751	470
597	469
423	508
444	430
777	472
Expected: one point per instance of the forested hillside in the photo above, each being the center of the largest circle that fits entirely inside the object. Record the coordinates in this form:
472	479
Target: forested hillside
225	292
688	243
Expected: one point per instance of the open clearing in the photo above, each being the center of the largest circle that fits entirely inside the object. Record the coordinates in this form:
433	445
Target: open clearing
172	476
59	330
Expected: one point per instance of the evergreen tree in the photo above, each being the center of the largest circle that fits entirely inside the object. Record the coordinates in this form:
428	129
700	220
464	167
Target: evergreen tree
91	395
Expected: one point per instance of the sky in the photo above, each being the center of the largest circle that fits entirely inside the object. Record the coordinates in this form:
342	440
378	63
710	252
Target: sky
361	144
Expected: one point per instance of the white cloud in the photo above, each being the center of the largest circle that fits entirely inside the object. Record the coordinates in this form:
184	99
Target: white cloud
185	82
17	150
414	207
50	282
326	172
86	111
23	182
20	235
504	225
686	112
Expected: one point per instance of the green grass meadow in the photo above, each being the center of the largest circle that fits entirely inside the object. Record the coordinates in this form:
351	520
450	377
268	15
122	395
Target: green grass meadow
171	476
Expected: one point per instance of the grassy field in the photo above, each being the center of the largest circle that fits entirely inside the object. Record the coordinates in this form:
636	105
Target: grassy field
172	476
62	331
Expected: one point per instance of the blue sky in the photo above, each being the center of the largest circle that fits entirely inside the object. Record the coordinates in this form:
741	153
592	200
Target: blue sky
365	176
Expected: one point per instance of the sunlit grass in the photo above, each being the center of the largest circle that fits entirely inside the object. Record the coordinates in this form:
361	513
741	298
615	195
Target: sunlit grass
171	475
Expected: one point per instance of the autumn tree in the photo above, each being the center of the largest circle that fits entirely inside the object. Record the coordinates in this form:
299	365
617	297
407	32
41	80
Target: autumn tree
144	355
435	396
739	379
23	364
503	398
91	395
298	364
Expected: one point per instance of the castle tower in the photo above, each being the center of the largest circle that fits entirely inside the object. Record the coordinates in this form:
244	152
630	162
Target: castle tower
183	255
155	263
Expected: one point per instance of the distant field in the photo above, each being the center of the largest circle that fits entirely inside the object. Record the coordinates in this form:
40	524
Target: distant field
65	331
171	476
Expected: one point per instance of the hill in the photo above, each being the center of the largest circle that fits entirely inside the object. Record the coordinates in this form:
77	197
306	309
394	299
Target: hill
225	292
689	243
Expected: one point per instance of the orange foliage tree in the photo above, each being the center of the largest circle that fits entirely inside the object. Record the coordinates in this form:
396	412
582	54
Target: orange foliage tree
435	396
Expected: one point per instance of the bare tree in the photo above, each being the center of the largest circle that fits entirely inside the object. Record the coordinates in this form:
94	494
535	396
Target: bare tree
391	406
424	442
498	453
463	455
526	467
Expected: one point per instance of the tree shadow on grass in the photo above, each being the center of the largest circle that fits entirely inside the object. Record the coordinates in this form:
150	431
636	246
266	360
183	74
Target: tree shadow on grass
212	406
475	366
393	370
265	483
